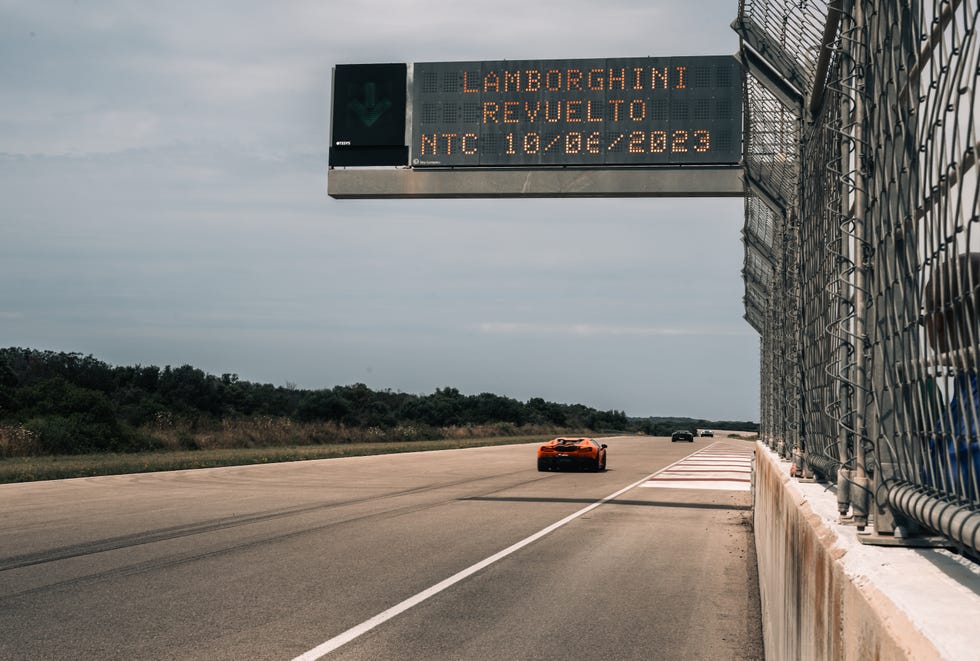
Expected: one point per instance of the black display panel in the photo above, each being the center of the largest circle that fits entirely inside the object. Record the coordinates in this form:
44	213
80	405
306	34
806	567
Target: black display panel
587	112
369	103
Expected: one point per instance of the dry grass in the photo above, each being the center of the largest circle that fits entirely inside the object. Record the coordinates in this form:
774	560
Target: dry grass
18	441
272	432
27	469
184	445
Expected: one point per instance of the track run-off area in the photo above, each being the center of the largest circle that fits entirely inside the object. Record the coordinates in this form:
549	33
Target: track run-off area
458	554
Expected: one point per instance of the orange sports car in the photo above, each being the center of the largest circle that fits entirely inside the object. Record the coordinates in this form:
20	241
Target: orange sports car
579	453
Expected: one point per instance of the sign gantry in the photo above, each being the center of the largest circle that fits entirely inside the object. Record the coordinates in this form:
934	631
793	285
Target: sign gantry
579	119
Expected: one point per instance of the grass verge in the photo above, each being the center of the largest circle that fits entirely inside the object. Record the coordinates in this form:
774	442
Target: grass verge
29	469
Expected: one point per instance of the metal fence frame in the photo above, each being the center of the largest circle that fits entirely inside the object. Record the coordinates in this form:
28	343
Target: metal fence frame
862	254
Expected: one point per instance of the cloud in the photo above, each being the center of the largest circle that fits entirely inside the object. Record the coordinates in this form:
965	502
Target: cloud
108	75
163	196
601	330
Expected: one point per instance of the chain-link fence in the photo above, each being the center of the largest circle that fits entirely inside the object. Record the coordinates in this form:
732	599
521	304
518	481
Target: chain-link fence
862	253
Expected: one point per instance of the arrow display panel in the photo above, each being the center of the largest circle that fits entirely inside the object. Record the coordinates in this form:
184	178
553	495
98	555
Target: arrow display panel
369	109
586	112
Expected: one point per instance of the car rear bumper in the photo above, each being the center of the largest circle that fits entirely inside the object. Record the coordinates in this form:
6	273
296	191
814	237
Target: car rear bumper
570	462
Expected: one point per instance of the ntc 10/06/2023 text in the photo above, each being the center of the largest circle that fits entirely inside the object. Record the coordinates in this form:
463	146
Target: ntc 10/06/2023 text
572	142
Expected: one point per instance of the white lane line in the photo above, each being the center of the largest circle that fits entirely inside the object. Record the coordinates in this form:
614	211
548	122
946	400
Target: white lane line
704	475
325	648
719	485
711	468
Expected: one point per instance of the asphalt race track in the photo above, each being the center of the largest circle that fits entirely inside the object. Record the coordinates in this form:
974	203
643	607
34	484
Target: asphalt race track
460	554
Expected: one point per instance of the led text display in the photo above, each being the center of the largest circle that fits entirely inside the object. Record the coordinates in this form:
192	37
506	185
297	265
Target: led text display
634	111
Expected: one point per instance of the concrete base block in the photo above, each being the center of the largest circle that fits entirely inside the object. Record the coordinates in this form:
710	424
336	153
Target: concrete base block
825	595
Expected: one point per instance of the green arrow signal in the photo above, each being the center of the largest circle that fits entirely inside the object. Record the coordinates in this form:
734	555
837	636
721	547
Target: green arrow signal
370	110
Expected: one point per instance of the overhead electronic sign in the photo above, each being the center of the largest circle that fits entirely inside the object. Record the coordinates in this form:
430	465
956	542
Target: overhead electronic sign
369	108
586	112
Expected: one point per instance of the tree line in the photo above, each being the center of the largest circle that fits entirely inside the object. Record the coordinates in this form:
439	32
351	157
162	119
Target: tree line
72	403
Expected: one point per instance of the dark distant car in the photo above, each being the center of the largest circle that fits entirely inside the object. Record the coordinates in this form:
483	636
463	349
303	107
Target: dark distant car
708	433
682	435
580	453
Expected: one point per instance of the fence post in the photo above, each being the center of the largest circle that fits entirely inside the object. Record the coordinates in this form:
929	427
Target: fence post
894	238
860	491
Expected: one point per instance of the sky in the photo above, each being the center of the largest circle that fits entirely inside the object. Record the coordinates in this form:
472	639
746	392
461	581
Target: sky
163	175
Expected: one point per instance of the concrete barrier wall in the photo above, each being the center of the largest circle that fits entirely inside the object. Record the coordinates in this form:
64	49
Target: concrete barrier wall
827	596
